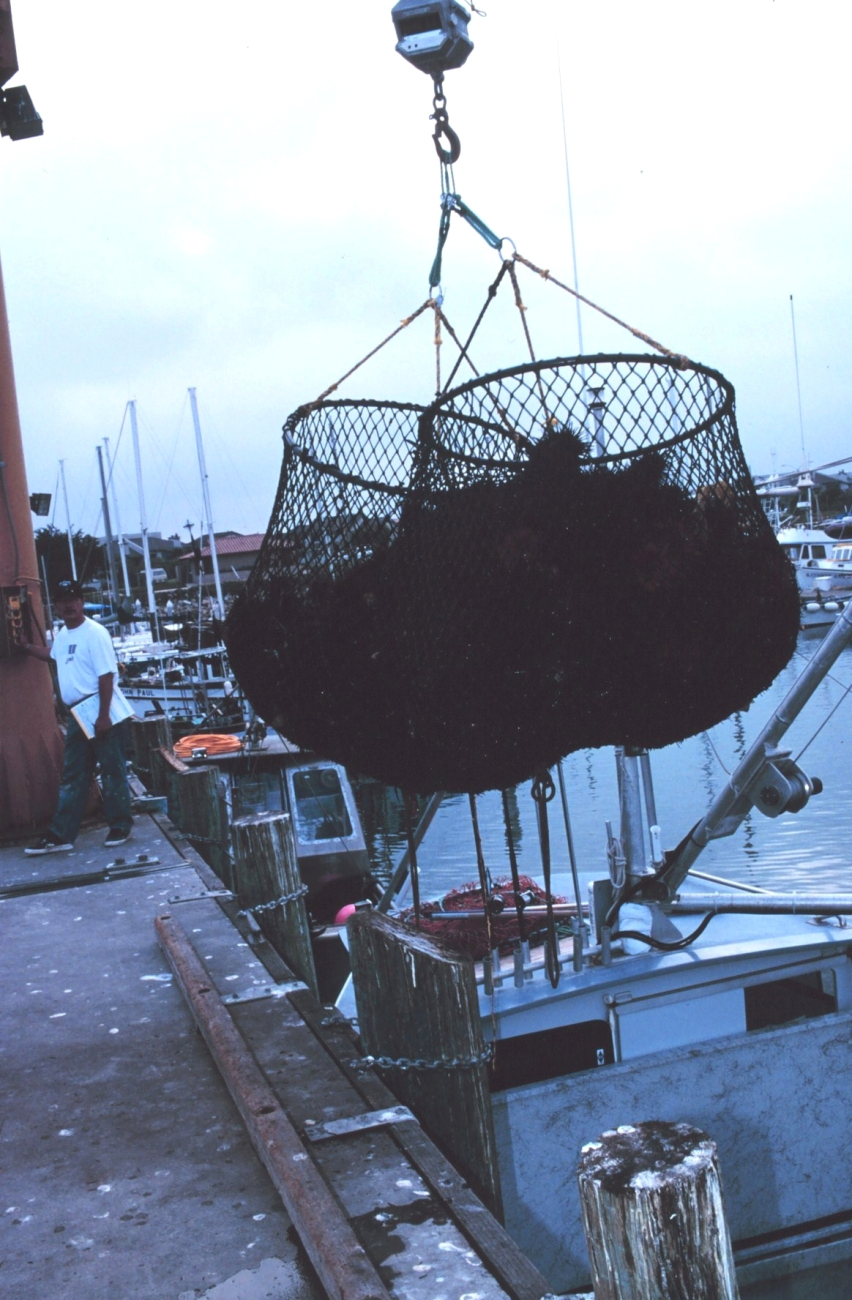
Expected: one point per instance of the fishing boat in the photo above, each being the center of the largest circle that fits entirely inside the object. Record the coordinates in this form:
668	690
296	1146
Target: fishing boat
268	775
679	995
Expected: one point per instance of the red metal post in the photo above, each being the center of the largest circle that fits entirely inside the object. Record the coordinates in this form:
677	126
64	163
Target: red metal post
30	741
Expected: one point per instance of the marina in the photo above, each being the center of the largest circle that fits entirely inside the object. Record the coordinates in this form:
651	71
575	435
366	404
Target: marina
464	911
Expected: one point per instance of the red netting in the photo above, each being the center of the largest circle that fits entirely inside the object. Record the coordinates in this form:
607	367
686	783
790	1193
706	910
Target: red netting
469	934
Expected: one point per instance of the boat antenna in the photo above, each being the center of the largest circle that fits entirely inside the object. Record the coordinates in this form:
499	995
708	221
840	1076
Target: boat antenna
570	204
798	385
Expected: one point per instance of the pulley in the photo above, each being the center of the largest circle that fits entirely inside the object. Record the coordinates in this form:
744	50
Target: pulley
432	34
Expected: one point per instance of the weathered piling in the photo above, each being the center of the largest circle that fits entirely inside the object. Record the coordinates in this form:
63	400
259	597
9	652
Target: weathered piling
654	1217
202	815
418	1013
196	807
145	735
265	877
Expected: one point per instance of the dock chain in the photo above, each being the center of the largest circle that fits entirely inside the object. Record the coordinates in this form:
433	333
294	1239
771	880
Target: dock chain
284	901
418	1063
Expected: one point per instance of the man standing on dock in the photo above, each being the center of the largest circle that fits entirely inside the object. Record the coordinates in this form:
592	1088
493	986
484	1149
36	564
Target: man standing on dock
86	665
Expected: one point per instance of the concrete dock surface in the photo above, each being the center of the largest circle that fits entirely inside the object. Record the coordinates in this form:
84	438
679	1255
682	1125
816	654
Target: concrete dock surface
126	1170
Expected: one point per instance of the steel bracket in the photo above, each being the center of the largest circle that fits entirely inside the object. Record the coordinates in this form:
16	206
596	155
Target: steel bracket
122	865
257	992
359	1123
199	896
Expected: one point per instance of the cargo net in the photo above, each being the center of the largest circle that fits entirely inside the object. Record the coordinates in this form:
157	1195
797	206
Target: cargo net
563	555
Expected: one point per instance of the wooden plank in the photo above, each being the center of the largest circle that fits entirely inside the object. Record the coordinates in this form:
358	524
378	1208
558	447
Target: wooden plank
340	1261
654	1216
264	869
417	1000
489	1238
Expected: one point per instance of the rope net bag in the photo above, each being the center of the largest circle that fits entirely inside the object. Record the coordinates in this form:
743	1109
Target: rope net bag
562	555
311	638
591	565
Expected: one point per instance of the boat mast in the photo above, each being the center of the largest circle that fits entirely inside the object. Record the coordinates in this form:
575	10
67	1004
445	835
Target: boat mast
68	522
143	523
207	511
122	545
108	528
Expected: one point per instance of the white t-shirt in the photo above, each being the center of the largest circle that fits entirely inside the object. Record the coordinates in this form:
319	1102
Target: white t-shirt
82	655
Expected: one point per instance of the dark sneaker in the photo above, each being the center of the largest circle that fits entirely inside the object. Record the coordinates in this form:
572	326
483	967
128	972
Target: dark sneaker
48	844
115	838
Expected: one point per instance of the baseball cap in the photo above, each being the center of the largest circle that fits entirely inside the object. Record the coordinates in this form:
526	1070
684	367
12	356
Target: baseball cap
68	589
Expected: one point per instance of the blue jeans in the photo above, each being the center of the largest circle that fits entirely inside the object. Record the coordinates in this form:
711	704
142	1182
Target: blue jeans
78	768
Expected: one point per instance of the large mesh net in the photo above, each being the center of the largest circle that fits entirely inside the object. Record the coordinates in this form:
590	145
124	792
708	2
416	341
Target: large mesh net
558	556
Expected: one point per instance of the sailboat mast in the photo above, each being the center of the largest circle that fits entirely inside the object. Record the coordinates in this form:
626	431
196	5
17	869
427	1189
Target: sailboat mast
108	528
122	545
798	389
68	522
207	511
143	522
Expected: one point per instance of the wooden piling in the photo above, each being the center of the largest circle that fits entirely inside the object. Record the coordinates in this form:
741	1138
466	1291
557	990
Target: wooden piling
654	1217
417	1001
202	815
264	869
144	735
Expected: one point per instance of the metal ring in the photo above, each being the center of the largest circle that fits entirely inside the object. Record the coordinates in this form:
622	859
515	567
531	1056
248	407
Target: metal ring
507	240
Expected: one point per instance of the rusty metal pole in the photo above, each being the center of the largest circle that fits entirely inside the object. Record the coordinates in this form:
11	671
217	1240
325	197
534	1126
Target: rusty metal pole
30	741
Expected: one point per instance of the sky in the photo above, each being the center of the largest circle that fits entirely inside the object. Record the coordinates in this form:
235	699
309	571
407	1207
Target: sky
245	200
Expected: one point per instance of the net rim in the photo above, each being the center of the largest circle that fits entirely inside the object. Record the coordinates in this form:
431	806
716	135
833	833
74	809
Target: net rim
431	414
303	413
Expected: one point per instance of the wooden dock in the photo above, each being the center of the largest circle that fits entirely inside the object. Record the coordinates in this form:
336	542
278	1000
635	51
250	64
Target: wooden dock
142	1169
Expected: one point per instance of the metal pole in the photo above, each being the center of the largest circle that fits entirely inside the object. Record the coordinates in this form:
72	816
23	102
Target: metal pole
68	523
30	741
732	803
143	523
108	528
46	591
206	491
630	802
122	548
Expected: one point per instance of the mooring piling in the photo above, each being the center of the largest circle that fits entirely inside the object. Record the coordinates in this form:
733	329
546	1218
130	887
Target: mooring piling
654	1215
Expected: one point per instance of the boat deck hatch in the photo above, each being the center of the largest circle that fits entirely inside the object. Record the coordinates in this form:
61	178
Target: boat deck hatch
532	1058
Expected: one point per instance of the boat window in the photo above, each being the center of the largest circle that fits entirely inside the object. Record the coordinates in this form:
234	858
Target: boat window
781	1001
255	792
817	552
793	552
320	808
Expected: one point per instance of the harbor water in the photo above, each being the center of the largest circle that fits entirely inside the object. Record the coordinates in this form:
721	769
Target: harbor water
808	851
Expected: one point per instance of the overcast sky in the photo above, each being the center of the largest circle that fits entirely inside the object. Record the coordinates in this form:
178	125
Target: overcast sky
244	199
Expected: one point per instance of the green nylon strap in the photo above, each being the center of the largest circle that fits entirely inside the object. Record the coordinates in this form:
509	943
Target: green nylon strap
452	203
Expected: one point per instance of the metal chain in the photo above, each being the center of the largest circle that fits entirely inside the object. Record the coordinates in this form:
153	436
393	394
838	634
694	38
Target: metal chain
442	127
418	1063
284	901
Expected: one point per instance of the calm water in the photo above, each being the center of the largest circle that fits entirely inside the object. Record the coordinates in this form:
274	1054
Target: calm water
808	851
